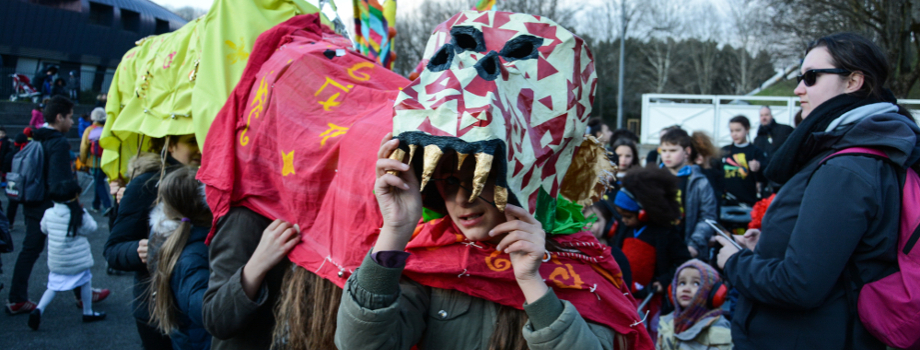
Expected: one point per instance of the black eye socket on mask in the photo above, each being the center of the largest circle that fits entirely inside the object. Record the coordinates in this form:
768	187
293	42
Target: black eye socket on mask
523	47
441	59
467	39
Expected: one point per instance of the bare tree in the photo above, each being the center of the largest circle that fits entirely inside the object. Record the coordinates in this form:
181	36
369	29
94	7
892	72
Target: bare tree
892	24
707	31
662	23
748	28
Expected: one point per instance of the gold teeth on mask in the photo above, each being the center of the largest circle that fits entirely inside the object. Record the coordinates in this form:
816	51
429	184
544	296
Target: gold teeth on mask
483	166
501	198
460	158
432	155
397	154
412	149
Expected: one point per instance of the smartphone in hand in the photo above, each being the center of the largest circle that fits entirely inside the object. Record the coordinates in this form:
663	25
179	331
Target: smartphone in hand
722	231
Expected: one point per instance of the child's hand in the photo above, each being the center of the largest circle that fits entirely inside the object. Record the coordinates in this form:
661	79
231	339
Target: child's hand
142	250
693	251
526	243
755	165
277	241
398	197
657	288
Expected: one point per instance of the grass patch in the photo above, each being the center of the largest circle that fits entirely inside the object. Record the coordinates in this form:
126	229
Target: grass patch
782	88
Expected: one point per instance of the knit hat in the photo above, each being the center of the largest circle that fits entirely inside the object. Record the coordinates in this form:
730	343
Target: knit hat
98	115
684	318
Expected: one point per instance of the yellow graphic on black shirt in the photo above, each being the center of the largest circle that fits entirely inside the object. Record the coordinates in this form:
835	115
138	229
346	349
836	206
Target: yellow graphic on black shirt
736	166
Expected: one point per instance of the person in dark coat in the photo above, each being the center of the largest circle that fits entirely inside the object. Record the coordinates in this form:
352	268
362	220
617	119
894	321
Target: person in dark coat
59	88
57	169
831	219
236	318
178	260
770	136
126	248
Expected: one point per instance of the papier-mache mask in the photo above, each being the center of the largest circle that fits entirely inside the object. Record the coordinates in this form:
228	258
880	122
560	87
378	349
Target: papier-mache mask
515	91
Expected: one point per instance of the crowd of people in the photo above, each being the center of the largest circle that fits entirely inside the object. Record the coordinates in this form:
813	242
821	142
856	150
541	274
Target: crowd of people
830	216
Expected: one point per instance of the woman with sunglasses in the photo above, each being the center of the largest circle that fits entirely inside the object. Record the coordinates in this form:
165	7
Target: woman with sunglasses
835	218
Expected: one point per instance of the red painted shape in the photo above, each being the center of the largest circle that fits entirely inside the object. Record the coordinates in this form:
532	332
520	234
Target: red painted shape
527	176
585	74
544	68
517	168
440	83
480	87
426	126
532	201
497	37
571	89
543	30
546	50
484	19
547	101
501	18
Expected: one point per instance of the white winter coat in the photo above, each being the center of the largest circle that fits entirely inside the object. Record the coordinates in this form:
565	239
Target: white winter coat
67	255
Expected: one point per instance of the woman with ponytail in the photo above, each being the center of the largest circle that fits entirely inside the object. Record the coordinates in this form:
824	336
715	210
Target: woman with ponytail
69	254
178	261
126	248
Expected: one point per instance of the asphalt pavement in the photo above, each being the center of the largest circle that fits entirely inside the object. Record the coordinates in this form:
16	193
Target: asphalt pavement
62	326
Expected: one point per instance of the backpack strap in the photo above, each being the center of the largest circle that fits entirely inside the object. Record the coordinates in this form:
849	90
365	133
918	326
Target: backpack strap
856	150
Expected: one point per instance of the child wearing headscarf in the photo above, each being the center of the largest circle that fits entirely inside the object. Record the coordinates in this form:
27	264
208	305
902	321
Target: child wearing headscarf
697	321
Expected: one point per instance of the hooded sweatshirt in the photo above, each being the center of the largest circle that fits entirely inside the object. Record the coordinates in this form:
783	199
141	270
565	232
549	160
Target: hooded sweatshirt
825	218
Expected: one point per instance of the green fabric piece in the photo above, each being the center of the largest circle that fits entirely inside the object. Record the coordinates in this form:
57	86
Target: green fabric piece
546	210
428	215
569	218
560	216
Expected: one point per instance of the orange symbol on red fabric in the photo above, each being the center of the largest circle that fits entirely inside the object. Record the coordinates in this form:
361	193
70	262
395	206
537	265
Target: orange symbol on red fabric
259	103
363	76
288	159
332	100
563	273
333	131
497	265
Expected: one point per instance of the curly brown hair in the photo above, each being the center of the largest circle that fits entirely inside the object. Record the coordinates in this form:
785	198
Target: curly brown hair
656	191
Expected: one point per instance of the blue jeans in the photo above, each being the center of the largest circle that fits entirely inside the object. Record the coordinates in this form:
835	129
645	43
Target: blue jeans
103	199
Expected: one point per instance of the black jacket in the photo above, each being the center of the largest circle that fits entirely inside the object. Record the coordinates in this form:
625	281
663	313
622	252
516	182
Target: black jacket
846	211
57	166
770	137
132	225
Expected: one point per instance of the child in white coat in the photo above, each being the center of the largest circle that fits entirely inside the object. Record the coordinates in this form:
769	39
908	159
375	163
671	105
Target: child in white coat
69	255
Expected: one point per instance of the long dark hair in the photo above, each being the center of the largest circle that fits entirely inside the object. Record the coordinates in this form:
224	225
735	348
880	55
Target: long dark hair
632	147
857	54
182	201
68	193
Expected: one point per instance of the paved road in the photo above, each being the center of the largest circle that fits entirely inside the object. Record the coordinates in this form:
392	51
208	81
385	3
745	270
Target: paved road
62	326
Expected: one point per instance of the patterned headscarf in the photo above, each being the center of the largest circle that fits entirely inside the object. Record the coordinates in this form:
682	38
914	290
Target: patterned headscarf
686	318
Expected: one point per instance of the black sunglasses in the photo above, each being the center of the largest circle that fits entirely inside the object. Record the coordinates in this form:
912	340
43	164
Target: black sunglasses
811	76
451	184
